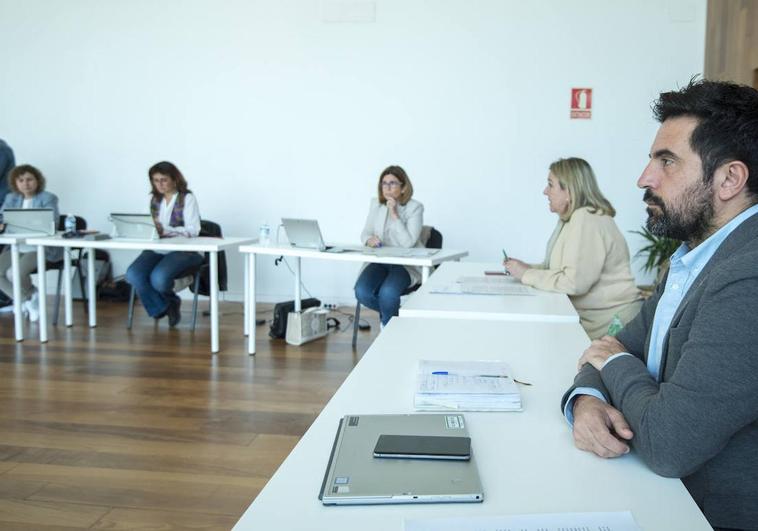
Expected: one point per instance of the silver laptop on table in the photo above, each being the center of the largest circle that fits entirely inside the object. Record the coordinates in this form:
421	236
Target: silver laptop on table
306	234
29	220
354	476
133	226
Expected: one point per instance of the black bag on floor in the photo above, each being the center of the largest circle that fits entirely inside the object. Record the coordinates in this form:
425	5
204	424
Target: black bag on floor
281	311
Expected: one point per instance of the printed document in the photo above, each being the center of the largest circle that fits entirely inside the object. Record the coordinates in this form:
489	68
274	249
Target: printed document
616	521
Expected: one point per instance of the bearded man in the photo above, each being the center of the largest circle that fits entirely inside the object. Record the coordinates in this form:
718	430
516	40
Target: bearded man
679	384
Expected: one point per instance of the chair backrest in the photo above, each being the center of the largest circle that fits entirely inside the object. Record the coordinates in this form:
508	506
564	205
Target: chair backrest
81	223
212	229
435	239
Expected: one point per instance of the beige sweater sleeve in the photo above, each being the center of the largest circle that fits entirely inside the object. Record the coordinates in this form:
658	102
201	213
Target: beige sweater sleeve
576	260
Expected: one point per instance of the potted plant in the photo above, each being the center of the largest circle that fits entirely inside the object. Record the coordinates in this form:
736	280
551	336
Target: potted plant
657	252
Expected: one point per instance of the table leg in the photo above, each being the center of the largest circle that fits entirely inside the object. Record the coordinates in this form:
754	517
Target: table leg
68	304
425	274
298	295
246	323
42	292
214	301
17	309
250	269
91	289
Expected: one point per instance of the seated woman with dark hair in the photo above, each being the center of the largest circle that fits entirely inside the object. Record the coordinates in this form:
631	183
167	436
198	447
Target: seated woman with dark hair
175	213
27	185
587	257
394	220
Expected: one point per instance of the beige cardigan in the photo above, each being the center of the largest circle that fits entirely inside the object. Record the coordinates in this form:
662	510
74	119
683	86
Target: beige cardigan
402	232
588	259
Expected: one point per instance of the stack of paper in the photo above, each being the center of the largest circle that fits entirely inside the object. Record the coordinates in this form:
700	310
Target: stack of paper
466	386
492	285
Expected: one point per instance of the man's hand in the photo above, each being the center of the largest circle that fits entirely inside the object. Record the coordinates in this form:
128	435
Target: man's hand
515	267
599	351
600	428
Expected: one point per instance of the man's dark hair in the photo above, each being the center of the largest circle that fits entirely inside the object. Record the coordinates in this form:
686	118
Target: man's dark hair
728	124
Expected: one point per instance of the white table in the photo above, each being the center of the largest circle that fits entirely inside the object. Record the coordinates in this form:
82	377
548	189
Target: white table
13	241
527	461
202	244
424	262
543	306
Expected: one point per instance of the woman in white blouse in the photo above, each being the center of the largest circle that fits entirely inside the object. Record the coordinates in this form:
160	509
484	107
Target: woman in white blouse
394	220
175	213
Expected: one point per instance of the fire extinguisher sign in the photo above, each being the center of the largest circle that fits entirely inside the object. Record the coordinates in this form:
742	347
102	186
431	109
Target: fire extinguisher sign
581	103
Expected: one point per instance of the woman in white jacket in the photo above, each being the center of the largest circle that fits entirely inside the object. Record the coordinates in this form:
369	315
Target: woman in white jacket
394	220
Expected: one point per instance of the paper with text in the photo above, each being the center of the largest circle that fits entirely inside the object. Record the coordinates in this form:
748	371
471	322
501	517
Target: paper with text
611	521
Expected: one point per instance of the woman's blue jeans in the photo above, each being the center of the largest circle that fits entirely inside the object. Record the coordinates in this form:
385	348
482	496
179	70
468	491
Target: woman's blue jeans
153	274
379	287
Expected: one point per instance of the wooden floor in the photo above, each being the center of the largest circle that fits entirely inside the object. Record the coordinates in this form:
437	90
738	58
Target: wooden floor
145	429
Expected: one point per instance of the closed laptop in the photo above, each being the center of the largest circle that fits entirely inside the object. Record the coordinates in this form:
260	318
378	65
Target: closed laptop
354	476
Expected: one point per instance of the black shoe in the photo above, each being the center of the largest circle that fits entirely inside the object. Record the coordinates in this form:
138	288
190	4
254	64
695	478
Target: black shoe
174	312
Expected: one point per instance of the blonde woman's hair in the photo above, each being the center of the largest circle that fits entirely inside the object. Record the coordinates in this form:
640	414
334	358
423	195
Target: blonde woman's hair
576	176
405	183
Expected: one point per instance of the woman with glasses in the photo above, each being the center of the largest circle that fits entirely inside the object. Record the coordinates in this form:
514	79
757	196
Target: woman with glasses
394	220
175	213
587	257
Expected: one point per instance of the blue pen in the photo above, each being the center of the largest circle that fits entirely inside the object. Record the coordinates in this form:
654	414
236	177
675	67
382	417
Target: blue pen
447	373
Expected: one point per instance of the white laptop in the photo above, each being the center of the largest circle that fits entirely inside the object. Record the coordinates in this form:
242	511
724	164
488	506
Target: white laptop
133	226
355	477
306	234
29	220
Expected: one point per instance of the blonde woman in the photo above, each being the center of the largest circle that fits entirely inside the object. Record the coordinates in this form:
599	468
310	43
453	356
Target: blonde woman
394	220
587	257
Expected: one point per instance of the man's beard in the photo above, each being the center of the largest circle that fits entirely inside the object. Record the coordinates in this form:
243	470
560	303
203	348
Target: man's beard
689	221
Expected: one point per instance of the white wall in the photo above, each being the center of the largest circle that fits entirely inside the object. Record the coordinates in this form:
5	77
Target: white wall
270	111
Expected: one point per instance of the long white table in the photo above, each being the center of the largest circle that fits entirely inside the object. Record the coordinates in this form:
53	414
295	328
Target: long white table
527	461
385	257
542	306
13	241
202	244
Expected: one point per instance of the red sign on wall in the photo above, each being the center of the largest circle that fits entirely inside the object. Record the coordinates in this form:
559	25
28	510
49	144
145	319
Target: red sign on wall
581	103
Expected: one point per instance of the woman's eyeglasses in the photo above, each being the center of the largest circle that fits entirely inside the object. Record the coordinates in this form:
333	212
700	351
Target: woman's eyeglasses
390	184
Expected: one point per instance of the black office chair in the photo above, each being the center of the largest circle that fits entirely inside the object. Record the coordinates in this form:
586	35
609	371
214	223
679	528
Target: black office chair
433	242
57	265
200	284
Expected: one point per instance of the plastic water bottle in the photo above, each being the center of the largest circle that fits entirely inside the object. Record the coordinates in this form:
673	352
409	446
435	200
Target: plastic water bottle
264	235
69	225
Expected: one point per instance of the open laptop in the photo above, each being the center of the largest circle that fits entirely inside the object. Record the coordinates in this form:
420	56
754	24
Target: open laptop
133	226
306	234
354	476
29	220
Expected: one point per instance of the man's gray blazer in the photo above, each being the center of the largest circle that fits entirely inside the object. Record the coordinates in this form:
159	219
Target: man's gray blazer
700	423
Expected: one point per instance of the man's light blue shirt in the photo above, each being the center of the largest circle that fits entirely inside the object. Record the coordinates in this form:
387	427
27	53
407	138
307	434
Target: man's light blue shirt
685	266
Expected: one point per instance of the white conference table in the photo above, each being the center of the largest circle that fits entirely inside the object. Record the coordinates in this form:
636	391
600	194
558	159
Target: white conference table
543	306
13	241
384	256
201	244
527	460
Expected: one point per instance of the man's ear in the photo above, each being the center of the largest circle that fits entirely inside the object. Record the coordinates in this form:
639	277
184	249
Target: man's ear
731	179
